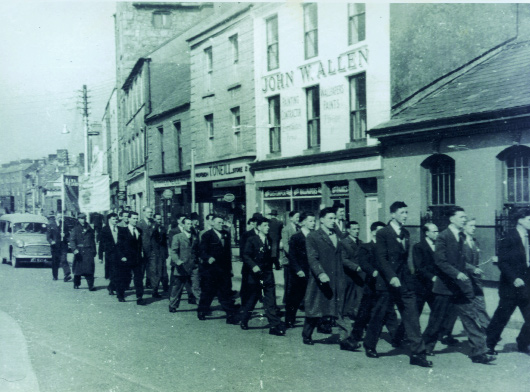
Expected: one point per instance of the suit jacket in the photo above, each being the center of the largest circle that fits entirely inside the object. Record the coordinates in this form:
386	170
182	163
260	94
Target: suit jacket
341	233
287	232
212	246
82	239
129	247
183	253
147	233
349	254
424	267
450	260
512	263
275	234
257	253
53	234
298	254
107	245
243	240
392	258
366	257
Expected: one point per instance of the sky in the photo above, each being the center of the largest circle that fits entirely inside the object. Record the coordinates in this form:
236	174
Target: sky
48	51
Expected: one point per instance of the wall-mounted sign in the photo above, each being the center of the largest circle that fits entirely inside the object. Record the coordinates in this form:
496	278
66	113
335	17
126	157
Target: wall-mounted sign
167	194
229	197
339	190
221	171
170	183
294	191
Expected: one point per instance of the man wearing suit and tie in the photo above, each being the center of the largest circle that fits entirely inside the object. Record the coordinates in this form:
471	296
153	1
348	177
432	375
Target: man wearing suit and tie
340	222
454	287
290	229
514	285
108	250
325	289
275	234
396	287
258	277
130	259
215	271
183	252
147	227
354	277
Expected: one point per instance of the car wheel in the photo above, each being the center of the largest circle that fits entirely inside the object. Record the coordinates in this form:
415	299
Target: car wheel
4	260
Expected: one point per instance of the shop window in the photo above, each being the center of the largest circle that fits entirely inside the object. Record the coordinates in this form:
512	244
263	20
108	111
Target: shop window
358	107
208	120
178	130
162	152
161	19
310	30
313	116
208	59
272	43
356	22
274	124
234	44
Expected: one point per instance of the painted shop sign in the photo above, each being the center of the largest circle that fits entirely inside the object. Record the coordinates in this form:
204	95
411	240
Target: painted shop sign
170	183
350	61
294	191
221	171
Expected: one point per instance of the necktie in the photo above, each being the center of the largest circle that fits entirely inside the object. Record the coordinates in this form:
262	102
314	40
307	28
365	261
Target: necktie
461	241
333	239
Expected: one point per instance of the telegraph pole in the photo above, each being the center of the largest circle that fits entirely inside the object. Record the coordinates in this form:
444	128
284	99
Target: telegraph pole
85	126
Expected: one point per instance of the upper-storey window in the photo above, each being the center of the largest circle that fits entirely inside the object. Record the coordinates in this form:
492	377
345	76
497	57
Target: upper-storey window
208	58
273	61
310	30
356	22
234	43
358	107
161	19
313	117
274	124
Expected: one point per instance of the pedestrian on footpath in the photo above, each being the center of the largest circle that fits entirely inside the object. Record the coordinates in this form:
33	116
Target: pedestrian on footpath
514	285
83	245
215	268
130	259
183	253
108	250
258	277
298	268
325	289
454	287
63	248
397	288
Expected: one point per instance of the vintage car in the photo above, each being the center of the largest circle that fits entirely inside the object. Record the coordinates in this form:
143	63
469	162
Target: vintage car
23	239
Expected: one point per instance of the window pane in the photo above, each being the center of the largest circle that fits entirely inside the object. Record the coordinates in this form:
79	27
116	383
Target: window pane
510	185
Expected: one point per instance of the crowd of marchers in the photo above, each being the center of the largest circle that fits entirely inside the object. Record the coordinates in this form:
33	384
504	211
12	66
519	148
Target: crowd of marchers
329	273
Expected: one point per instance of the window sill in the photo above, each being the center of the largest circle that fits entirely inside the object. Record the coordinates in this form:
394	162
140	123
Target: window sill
208	95
273	155
233	86
312	150
357	143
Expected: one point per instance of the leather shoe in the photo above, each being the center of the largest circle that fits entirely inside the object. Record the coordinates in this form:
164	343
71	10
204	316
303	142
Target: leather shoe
54	278
483	358
201	316
420	360
232	320
491	351
308	341
172	310
289	324
244	325
156	295
370	353
449	341
92	289
121	299
192	301
349	345
278	331
521	349
76	287
111	292
140	301
429	353
325	329
67	278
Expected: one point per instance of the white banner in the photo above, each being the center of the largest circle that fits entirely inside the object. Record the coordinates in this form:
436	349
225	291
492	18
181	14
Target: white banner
94	193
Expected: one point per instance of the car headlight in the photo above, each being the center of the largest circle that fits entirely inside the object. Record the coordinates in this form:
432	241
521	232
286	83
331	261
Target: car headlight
20	243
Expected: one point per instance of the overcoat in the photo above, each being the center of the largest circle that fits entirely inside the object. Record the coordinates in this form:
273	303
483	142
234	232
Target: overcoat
183	254
324	257
82	238
512	263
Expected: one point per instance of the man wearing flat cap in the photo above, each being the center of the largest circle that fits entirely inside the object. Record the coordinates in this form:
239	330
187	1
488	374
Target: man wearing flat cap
83	245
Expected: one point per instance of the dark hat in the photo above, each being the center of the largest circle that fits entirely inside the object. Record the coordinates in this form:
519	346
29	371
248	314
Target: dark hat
274	212
257	215
81	216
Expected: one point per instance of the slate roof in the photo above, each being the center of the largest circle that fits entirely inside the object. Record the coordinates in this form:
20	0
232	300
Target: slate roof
501	82
171	91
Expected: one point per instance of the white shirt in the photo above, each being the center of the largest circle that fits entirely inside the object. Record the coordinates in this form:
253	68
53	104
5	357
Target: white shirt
396	226
134	231
431	243
305	231
218	234
455	232
188	235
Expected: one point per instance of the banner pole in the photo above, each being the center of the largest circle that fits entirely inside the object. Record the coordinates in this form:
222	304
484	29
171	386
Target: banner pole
63	201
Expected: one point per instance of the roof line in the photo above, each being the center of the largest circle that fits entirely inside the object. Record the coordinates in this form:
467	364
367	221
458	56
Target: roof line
438	83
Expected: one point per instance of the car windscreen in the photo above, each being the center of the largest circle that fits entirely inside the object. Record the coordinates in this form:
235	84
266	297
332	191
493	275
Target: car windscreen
30	227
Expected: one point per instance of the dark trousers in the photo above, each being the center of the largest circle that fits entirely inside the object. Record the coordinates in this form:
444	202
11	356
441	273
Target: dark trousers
406	304
310	323
176	288
111	272
254	289
287	273
215	281
295	296
366	306
427	297
89	280
59	260
124	272
501	317
468	316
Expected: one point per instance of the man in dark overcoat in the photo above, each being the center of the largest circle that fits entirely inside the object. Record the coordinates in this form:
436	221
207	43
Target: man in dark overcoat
514	285
354	277
258	277
454	287
63	247
396	286
147	226
83	245
53	234
159	268
215	271
325	289
108	250
130	259
275	234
